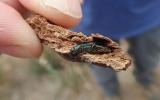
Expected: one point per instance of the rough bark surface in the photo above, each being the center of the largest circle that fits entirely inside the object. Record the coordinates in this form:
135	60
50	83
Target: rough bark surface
63	41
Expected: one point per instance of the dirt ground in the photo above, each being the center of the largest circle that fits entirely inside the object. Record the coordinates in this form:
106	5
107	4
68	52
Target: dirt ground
20	81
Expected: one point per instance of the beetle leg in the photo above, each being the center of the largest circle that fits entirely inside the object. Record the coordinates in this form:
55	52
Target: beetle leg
93	45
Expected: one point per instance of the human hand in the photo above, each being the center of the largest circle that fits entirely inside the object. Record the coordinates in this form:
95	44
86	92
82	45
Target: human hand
16	36
81	1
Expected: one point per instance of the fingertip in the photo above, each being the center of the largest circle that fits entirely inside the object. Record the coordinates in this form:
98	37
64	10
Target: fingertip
20	51
16	36
66	13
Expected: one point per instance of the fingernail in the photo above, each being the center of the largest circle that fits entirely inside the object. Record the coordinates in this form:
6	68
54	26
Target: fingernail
69	7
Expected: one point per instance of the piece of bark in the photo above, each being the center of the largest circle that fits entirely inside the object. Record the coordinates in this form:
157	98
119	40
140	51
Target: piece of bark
63	41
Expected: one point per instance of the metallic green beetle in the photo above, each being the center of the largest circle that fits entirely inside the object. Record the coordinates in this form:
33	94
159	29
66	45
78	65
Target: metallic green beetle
91	47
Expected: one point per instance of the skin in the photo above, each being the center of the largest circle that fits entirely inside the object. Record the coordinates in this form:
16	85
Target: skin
16	36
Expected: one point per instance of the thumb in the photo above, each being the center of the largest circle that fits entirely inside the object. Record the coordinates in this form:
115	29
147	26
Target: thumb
66	13
16	37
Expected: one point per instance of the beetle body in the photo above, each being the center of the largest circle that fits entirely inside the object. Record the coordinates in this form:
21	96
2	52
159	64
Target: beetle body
92	48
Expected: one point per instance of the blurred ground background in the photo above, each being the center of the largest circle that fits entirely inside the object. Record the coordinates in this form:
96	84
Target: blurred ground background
53	78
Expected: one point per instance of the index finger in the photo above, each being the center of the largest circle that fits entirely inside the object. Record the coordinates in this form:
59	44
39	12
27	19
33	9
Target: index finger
66	13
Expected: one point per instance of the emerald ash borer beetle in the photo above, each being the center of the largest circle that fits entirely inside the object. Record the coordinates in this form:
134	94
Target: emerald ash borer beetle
91	47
